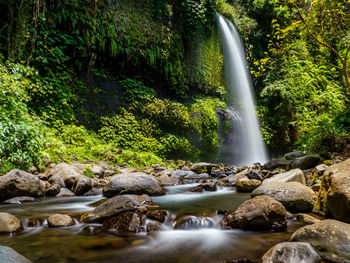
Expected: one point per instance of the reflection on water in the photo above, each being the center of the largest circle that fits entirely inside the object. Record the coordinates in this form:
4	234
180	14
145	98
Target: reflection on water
75	244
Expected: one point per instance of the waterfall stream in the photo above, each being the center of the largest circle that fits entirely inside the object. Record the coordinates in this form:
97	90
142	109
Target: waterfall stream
247	147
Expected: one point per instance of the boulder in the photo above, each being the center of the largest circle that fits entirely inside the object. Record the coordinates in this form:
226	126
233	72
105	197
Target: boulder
291	252
95	191
202	167
211	187
295	175
158	215
330	238
307	219
113	207
97	170
9	255
293	155
68	173
82	185
277	163
254	174
126	222
57	180
20	183
295	196
165	180
9	223
19	200
133	183
259	213
53	190
317	173
193	222
59	220
180	174
247	185
64	192
306	162
334	195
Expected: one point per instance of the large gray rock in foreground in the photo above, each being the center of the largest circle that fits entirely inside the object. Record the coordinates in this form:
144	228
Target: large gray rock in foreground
330	238
133	183
295	175
113	207
9	223
295	196
291	252
258	213
20	183
8	255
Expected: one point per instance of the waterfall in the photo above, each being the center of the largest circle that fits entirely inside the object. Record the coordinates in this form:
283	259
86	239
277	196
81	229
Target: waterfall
247	146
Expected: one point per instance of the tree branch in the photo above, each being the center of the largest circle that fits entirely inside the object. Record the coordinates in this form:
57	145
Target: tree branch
330	64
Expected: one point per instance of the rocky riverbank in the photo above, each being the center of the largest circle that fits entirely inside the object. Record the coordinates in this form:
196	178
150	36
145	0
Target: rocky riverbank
281	191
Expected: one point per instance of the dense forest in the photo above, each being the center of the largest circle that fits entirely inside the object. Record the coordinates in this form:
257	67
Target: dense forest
142	81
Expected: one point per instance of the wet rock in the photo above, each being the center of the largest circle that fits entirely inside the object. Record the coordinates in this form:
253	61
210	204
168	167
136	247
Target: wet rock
20	200
306	162
258	213
277	163
126	222
9	223
317	173
293	155
192	222
330	238
254	174
97	170
334	195
64	192
35	222
53	190
232	179
95	191
316	187
165	180
82	185
153	226
113	207
93	229
295	175
180	174
247	185
57	180
291	252
158	215
144	199
202	167
59	220
68	173
295	196
11	256
132	183
20	183
307	219
211	187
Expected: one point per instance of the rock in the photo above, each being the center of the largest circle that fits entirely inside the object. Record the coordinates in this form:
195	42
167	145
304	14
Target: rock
93	229
35	222
148	170
247	185
126	222
68	173
306	162
95	191
295	196
11	256
259	213
19	200
254	174
20	183
144	199
231	180
334	195
307	219
128	170
330	238
293	155
291	252
197	176
113	207
64	192
317	173
97	170
9	223
57	180
316	187
158	215
153	226
132	183
82	185
180	174
193	222
204	187
277	163
59	220
202	167
295	175
165	180
53	190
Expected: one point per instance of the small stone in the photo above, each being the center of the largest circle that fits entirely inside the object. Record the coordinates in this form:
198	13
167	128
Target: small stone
60	220
247	185
9	223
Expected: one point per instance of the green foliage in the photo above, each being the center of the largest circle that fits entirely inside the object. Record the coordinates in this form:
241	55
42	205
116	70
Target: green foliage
136	91
87	171
177	147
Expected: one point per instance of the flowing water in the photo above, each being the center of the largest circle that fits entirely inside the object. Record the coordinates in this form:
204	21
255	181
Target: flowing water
77	244
247	147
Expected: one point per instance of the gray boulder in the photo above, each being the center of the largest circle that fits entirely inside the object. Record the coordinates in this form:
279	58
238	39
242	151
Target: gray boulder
277	163
64	192
53	190
293	155
82	185
20	183
202	167
59	220
20	200
9	255
133	183
291	252
9	223
126	222
68	173
295	175
295	196
306	162
330	238
113	207
180	174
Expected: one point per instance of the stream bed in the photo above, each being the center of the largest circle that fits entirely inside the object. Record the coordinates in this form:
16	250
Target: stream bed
77	243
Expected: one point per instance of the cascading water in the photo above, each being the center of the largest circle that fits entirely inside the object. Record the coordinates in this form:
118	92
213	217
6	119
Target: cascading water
247	146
